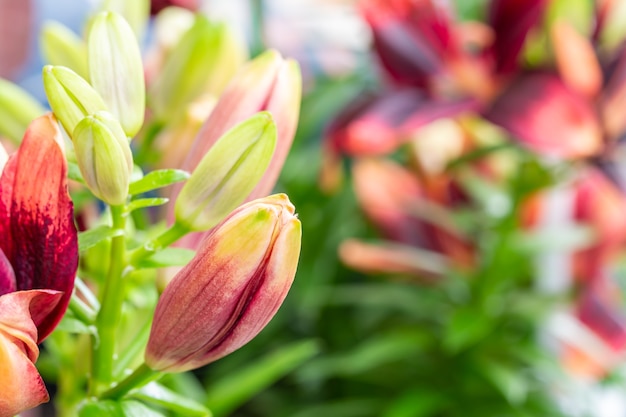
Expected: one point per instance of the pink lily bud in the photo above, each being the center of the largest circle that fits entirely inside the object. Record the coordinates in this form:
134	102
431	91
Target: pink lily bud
267	83
230	290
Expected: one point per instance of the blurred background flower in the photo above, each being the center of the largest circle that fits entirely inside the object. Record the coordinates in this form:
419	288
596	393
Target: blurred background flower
458	170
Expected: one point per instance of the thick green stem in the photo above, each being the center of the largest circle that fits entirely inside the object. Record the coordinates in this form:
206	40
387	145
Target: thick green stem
108	318
140	377
162	241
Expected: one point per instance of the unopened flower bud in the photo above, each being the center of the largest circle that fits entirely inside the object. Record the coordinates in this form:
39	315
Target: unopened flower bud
116	70
61	46
17	110
267	83
104	157
70	96
227	173
230	290
203	62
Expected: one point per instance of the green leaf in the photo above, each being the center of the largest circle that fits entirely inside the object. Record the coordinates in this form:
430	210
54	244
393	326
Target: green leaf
101	408
110	408
467	326
346	407
416	402
71	324
507	379
92	237
235	389
137	409
145	202
159	395
157	179
370	354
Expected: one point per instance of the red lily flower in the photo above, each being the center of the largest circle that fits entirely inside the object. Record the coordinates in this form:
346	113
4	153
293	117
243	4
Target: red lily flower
443	67
38	260
36	219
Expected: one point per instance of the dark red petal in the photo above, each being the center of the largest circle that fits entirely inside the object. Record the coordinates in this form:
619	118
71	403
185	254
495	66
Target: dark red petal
36	218
412	38
157	5
548	117
7	276
511	21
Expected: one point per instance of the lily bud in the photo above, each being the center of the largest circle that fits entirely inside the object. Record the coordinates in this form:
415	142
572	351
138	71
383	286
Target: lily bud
136	13
104	157
70	96
17	110
227	173
116	69
204	60
267	83
61	46
230	290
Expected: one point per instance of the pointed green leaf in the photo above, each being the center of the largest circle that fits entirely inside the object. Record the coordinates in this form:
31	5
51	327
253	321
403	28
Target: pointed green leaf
92	237
230	392
71	324
145	202
181	405
158	179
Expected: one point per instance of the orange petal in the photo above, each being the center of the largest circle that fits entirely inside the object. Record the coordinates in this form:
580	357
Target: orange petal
22	386
576	59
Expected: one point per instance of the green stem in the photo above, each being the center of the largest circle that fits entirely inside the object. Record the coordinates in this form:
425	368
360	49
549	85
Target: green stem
81	310
162	241
110	313
140	377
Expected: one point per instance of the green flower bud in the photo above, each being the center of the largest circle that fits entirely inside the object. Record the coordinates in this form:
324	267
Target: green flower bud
227	173
17	110
116	70
136	13
104	157
70	96
61	46
204	60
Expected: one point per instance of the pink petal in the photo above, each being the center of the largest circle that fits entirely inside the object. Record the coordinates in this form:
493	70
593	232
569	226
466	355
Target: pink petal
540	111
22	386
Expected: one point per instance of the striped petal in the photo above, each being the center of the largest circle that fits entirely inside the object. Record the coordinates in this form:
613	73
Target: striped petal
36	218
